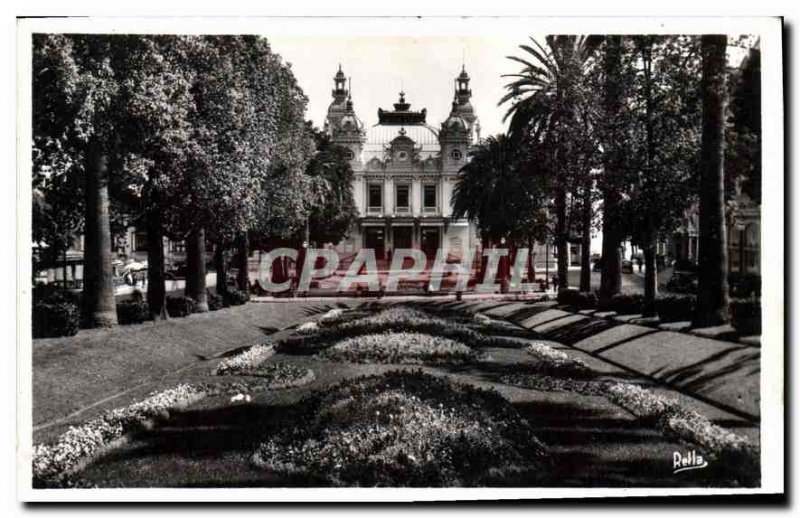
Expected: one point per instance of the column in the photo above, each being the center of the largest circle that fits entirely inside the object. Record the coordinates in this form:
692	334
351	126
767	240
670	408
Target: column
388	196
416	197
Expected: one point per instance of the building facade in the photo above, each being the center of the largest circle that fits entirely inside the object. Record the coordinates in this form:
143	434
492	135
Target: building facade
405	170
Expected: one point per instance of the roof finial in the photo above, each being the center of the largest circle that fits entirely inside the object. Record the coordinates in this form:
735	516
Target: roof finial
349	87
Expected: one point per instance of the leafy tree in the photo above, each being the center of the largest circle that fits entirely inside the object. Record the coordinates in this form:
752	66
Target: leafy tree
663	141
615	81
74	95
331	210
281	207
743	130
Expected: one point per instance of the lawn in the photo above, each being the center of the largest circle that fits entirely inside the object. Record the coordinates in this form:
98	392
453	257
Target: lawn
390	395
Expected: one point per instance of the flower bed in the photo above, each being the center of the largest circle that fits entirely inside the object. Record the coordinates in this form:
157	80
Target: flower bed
252	362
412	348
250	358
545	383
406	429
311	338
553	360
739	456
79	444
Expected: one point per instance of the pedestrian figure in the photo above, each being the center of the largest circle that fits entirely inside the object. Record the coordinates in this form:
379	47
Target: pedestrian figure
639	263
555	282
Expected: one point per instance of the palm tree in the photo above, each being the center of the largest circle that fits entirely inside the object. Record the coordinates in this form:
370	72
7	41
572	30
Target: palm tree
100	308
475	194
712	290
546	96
501	190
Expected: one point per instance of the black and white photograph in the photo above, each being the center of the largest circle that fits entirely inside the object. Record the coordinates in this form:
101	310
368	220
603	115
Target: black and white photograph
399	259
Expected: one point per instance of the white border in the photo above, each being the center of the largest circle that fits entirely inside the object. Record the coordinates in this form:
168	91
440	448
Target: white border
772	234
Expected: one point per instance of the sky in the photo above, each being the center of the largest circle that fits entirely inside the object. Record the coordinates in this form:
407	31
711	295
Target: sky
424	67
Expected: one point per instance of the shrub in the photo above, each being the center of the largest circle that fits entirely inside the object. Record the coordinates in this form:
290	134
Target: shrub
676	308
624	303
746	315
215	301
744	286
683	265
235	297
55	318
132	312
681	282
179	307
51	294
578	299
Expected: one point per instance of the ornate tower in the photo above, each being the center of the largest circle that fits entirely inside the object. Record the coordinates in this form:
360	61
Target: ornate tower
339	104
342	124
463	94
455	137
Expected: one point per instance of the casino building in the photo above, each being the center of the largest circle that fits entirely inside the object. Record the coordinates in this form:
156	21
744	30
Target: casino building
405	172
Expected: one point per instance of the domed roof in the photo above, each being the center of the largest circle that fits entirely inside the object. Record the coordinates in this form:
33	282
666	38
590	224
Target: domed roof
380	136
349	122
455	122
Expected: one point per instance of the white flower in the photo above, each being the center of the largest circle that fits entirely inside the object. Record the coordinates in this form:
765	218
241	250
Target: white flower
252	357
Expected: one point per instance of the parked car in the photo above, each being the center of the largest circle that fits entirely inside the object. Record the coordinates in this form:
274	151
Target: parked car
627	266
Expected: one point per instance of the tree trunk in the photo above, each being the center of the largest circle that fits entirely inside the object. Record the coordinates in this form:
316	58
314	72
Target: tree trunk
99	303
531	261
222	270
243	246
196	268
610	264
611	261
586	244
562	247
712	290
156	289
650	280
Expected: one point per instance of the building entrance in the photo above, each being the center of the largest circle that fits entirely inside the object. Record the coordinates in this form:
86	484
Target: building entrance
430	242
374	238
401	237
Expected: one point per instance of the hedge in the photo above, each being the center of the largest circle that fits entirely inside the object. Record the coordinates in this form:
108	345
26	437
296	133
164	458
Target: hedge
746	315
178	307
56	318
624	303
744	286
676	308
132	312
235	297
578	299
215	301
